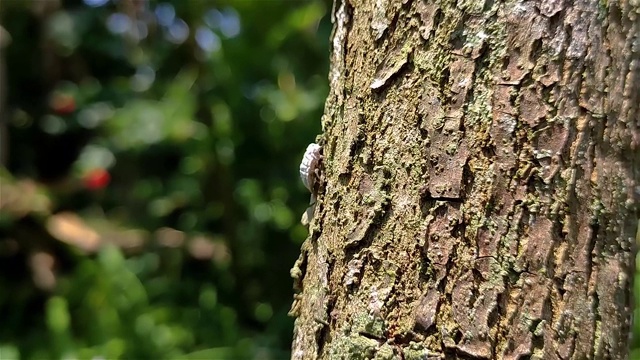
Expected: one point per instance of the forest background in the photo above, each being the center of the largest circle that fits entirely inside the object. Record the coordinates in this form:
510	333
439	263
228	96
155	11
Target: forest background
150	201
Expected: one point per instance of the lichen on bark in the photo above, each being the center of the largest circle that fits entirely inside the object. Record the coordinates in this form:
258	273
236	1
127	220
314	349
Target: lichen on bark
481	189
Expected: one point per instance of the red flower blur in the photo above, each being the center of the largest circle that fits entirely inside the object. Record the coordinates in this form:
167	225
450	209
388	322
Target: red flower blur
62	104
96	179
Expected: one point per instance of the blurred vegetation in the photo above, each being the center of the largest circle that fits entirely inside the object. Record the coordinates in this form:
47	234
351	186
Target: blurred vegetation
149	191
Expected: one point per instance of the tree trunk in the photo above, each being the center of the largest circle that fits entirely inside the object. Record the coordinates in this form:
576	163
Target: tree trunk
480	183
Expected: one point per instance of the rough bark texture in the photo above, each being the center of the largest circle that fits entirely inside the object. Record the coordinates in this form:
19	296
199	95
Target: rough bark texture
480	194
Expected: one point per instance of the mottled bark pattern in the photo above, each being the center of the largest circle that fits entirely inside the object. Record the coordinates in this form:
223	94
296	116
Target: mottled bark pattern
480	194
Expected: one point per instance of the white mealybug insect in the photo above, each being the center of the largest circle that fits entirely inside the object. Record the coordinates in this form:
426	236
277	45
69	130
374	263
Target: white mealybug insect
309	174
309	165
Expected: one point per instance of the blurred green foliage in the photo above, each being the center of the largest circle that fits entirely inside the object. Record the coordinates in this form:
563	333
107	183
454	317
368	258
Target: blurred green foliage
149	195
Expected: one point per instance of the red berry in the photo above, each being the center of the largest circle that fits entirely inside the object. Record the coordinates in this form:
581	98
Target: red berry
97	179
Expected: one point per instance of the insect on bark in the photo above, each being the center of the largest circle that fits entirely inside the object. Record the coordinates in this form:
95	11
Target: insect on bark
310	175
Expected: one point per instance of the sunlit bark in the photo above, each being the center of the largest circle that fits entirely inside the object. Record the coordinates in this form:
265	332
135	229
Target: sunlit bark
480	194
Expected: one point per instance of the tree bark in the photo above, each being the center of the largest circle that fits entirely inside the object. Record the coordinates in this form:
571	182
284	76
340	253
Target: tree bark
480	183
